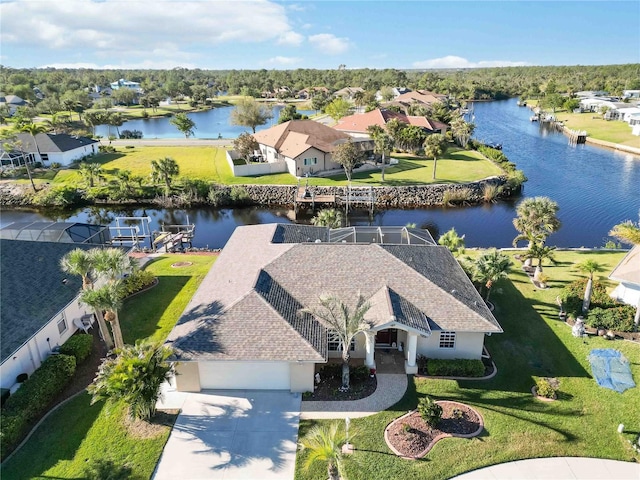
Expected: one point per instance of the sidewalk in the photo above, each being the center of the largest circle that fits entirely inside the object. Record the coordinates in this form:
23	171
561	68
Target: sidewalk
391	388
557	468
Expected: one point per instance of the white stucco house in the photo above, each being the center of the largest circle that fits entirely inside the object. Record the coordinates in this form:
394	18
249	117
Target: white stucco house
57	148
122	83
38	304
627	272
245	327
304	145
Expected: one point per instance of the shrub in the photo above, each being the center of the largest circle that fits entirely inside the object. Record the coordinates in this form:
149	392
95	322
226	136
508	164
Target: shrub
78	346
138	280
459	367
430	411
573	294
459	196
359	373
33	397
239	195
218	195
490	192
63	196
618	318
56	165
544	388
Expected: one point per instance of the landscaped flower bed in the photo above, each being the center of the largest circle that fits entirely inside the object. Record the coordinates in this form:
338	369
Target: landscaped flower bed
410	436
362	384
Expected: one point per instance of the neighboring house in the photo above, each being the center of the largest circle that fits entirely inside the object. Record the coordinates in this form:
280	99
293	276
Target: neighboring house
591	93
629	114
38	304
12	102
307	93
347	92
304	145
635	94
420	96
61	148
122	83
628	274
397	91
60	232
356	125
244	327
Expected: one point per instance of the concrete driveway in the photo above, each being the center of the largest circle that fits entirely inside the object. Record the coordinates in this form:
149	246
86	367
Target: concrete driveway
233	434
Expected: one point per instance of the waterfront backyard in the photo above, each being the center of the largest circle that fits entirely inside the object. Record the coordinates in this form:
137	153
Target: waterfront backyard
582	422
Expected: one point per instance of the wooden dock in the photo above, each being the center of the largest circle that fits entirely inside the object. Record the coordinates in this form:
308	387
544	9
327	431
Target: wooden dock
307	198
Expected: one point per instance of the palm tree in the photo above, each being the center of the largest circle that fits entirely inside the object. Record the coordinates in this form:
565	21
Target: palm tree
80	262
536	220
90	171
163	170
135	377
329	217
344	322
589	267
324	444
34	129
383	143
540	252
435	146
490	267
627	232
462	131
108	298
452	241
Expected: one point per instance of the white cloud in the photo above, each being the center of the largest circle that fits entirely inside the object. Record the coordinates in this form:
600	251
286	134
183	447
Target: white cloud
116	28
290	38
328	43
145	64
296	7
279	60
452	61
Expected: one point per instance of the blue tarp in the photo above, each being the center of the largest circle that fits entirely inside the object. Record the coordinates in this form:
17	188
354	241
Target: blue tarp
611	369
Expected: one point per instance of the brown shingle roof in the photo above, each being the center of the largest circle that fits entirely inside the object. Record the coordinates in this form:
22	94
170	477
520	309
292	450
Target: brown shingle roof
294	137
360	121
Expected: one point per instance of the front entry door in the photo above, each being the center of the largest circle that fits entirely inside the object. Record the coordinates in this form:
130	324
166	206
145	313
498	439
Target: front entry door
386	337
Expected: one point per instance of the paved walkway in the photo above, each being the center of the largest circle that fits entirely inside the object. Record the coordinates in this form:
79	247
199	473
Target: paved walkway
391	388
557	468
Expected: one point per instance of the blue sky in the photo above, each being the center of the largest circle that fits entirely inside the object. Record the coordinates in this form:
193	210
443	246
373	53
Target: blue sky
213	34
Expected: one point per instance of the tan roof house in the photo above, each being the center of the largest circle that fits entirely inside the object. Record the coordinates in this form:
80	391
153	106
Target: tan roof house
356	125
305	146
347	92
421	96
628	274
245	326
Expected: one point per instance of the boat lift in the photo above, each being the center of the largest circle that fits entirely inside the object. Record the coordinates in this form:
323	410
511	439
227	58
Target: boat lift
171	237
134	232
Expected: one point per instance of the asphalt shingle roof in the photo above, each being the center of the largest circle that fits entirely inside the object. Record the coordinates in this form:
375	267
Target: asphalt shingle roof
293	233
33	288
51	143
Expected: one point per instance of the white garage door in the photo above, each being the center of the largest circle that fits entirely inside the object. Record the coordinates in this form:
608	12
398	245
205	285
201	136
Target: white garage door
245	375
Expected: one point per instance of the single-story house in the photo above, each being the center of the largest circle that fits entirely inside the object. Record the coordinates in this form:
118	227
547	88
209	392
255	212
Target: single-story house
38	304
356	125
246	327
396	91
122	83
421	96
57	148
627	272
348	93
305	145
12	102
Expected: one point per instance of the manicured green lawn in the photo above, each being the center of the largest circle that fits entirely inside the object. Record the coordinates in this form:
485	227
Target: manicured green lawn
534	344
79	434
153	314
611	131
210	163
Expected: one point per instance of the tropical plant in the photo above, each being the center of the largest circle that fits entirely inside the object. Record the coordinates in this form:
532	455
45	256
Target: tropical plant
383	143
435	146
452	241
90	172
627	232
346	321
250	113
81	262
462	131
183	123
245	145
323	443
347	155
328	217
163	170
108	298
490	192
589	267
489	267
135	377
540	252
536	220
430	411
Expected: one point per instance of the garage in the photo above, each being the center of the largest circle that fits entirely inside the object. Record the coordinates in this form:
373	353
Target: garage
245	375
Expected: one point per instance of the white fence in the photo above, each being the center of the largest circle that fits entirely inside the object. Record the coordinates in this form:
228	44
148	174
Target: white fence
254	169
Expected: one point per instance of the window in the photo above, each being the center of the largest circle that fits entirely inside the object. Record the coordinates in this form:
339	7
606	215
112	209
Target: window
311	161
447	339
335	345
62	325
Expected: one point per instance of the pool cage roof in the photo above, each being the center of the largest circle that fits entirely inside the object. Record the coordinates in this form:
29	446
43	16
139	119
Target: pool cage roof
387	235
61	232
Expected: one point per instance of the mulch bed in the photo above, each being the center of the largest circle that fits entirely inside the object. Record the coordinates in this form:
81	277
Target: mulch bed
415	440
329	388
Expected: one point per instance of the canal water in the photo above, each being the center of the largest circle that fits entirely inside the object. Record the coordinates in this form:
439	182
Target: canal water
594	187
209	124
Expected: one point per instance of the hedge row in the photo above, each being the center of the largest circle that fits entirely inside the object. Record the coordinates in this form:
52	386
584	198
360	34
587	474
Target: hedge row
30	400
78	346
458	367
137	281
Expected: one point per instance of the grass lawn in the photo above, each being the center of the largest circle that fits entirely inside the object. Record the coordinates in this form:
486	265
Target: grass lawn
534	344
610	131
153	314
210	163
78	434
